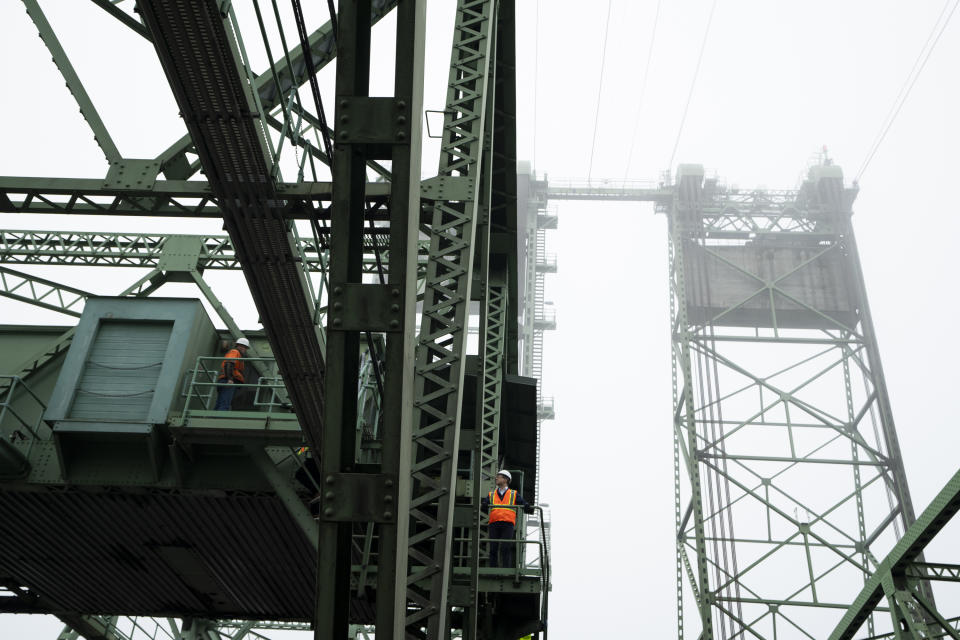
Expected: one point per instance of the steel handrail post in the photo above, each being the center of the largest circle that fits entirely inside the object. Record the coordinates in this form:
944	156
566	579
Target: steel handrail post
193	381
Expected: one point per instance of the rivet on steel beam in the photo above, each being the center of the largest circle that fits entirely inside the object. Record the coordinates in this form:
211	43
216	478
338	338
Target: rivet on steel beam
338	289
394	323
401	104
394	308
388	499
337	322
388	515
344	135
401	135
395	292
344	118
329	495
388	483
328	511
401	119
329	480
344	104
337	305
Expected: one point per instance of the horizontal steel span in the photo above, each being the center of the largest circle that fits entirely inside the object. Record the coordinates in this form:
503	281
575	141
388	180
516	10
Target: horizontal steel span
608	190
165	198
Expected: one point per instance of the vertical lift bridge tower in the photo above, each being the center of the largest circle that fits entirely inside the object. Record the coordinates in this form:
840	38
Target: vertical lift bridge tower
789	487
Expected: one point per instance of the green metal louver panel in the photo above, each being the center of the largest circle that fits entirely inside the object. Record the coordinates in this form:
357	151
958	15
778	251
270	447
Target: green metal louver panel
121	372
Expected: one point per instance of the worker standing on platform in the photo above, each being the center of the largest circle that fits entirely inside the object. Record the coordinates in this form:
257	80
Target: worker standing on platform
503	504
231	373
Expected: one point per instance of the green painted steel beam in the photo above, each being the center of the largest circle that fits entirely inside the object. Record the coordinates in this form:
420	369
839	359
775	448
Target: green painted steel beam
87	109
91	248
441	345
933	519
176	198
41	292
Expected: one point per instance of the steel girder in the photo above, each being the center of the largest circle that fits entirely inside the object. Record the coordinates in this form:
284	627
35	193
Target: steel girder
93	248
897	579
785	453
371	497
442	341
99	249
164	198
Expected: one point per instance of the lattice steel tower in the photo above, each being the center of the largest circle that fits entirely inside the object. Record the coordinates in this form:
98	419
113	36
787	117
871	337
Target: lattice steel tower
789	483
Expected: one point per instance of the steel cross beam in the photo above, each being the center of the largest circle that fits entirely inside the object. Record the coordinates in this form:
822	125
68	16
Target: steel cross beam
94	248
166	198
374	128
442	341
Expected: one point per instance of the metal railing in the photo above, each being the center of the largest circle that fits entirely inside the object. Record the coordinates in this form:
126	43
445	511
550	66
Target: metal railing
269	392
10	414
524	564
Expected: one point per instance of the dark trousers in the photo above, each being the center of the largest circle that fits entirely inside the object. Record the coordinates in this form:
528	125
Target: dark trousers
225	393
501	553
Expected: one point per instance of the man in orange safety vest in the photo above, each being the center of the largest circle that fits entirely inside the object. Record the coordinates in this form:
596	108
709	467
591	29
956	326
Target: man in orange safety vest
231	373
503	504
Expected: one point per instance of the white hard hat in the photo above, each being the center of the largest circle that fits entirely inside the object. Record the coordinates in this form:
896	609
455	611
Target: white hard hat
243	342
504	472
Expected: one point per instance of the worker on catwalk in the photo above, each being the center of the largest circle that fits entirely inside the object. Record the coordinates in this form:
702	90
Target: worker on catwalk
231	373
502	504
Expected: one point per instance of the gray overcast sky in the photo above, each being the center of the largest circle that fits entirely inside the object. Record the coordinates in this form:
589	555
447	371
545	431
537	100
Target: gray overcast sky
778	80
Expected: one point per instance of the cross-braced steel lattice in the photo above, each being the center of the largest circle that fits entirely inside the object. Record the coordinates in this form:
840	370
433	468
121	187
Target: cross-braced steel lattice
789	483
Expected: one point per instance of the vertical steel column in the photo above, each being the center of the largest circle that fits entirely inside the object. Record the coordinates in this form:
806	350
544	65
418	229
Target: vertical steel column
684	414
397	406
370	128
442	341
503	204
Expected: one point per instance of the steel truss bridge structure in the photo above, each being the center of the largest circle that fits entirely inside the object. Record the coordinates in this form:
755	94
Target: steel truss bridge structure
789	487
341	492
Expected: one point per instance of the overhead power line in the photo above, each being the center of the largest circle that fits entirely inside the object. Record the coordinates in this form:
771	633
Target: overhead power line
643	90
693	84
596	115
939	26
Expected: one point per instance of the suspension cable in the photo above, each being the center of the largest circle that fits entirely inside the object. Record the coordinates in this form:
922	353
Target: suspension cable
908	83
693	84
643	90
596	115
312	74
